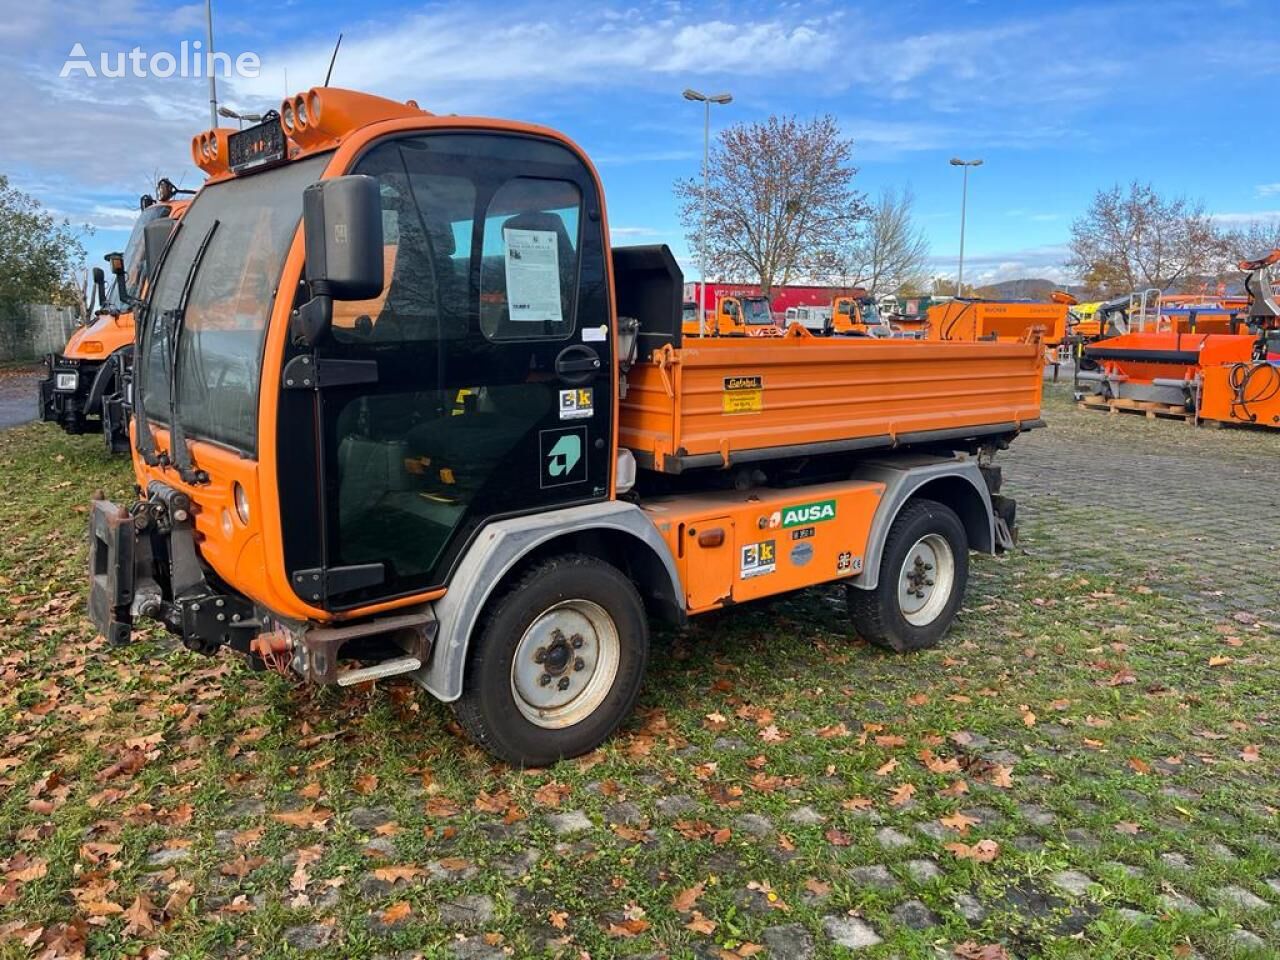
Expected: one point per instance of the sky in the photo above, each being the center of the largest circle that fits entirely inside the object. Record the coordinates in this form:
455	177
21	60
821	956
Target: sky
1058	99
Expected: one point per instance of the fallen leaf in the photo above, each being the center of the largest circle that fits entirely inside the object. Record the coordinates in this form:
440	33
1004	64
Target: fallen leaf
700	924
959	822
902	794
683	901
396	912
138	916
1251	753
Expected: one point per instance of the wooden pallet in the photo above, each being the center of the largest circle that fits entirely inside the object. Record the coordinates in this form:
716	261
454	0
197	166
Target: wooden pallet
1149	408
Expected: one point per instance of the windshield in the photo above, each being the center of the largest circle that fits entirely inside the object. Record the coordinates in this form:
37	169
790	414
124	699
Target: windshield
134	268
756	311
232	292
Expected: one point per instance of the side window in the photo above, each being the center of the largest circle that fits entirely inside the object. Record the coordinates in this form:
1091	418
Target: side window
427	219
529	266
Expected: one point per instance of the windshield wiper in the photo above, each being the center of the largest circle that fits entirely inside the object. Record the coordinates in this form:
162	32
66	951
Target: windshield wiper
178	451
145	441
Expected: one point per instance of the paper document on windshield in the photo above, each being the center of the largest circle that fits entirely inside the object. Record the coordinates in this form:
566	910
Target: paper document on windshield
533	276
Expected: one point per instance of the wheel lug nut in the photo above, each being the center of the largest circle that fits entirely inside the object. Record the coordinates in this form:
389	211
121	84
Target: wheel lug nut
540	656
579	663
544	679
564	683
928	583
577	641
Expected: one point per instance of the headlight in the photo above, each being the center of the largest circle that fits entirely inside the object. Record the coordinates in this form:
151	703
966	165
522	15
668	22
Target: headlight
65	381
242	502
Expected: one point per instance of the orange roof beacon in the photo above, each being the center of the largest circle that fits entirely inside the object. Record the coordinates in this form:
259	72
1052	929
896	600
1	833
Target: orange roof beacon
400	408
84	389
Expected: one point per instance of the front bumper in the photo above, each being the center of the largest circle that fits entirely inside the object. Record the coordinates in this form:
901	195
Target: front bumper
143	564
65	394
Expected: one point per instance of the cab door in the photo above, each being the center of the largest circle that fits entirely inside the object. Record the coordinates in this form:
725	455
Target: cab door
478	384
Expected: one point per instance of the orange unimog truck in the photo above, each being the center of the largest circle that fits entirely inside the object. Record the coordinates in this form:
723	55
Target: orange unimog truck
84	389
740	316
400	409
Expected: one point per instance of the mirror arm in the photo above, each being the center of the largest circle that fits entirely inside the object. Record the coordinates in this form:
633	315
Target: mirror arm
308	321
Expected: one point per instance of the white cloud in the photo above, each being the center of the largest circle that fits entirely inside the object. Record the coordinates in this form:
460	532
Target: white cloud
1041	262
1246	218
1268	189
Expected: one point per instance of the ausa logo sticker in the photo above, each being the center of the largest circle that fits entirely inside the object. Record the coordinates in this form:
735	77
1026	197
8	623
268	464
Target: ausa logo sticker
806	514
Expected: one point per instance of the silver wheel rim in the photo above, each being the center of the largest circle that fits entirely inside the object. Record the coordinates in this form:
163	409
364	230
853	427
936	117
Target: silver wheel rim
926	580
565	664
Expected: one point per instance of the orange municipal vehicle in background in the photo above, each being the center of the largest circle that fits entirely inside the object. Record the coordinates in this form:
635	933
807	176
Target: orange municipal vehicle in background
1218	367
400	409
736	316
84	389
1003	320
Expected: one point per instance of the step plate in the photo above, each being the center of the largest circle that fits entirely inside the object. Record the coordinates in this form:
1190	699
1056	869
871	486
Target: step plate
388	668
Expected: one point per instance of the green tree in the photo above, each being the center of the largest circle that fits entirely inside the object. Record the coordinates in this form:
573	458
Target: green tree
39	254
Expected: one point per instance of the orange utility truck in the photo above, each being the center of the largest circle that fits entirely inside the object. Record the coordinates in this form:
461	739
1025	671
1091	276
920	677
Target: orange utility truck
401	409
736	316
82	391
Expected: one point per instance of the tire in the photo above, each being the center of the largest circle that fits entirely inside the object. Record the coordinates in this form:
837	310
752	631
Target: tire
508	709
882	616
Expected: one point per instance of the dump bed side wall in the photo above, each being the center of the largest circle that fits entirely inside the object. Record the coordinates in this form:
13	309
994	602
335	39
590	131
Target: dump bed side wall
730	399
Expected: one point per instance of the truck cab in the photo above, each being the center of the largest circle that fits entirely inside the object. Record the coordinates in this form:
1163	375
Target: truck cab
81	391
400	409
736	316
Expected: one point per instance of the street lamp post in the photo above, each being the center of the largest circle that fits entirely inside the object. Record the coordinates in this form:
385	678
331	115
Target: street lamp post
242	117
707	101
964	200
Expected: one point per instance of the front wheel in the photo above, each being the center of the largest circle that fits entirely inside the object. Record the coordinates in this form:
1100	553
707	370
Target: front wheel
557	664
923	572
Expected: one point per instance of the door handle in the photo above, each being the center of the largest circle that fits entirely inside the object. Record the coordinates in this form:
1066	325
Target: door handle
577	364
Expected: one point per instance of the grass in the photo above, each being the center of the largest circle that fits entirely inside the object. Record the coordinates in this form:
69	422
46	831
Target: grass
1085	716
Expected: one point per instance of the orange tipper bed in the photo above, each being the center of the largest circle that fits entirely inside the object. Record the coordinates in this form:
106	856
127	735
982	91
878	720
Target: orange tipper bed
715	403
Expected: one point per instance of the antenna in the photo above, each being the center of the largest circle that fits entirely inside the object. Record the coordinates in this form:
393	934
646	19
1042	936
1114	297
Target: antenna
332	60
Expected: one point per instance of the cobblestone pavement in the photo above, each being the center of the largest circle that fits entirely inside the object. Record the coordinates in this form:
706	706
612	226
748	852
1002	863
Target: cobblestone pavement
1194	511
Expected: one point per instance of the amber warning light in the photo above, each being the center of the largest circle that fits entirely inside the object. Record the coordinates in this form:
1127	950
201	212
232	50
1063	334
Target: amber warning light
257	147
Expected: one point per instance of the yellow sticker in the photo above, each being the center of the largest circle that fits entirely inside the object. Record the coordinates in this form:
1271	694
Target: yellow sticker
743	401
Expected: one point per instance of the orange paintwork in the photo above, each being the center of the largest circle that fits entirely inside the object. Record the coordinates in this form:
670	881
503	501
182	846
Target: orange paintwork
815	390
1006	321
1209	350
713	568
100	338
1241	393
252	558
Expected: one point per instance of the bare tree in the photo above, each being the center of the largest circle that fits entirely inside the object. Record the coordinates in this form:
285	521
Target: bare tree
781	203
1253	240
890	250
1132	238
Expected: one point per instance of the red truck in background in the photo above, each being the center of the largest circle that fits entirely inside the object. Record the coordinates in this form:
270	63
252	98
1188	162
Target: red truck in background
780	298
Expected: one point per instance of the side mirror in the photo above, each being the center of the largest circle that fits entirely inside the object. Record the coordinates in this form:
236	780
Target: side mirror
154	237
99	289
342	230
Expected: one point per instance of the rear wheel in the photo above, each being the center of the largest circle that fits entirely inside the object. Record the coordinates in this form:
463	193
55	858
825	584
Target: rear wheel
923	572
557	663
